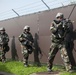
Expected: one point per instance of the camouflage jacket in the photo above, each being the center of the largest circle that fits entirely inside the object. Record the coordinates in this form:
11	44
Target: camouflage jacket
4	38
26	37
60	30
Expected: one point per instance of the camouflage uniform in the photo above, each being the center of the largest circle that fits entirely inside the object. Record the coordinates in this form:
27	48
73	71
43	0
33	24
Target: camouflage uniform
58	29
69	41
4	39
26	40
69	36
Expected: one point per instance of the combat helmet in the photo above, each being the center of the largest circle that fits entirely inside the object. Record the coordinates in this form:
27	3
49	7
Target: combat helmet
61	15
2	29
26	28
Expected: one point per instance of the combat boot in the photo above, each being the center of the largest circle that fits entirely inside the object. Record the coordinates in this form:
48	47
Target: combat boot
49	70
26	64
71	70
3	60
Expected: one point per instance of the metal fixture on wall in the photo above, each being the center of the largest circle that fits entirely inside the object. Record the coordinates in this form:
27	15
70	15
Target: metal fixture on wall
15	12
46	4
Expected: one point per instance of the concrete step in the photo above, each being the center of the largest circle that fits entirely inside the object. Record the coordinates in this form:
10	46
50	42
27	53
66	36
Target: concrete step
4	73
46	73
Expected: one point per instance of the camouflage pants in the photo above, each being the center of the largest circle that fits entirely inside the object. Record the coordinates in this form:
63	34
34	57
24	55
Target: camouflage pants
25	54
53	51
2	54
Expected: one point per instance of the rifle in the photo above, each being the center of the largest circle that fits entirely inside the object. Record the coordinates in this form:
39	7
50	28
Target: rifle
26	42
71	11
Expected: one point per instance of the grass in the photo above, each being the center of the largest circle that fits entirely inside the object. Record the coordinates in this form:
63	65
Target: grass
17	68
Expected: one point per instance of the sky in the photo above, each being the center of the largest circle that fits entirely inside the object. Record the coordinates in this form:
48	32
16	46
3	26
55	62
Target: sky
23	7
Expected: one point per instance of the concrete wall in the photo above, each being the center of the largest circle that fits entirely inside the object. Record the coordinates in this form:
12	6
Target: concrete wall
40	24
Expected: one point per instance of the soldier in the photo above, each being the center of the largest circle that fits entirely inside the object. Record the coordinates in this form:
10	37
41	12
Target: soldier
26	41
4	39
59	30
69	41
